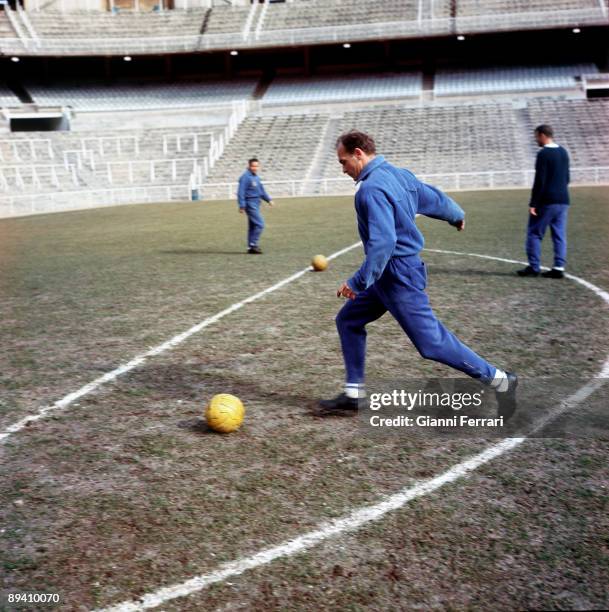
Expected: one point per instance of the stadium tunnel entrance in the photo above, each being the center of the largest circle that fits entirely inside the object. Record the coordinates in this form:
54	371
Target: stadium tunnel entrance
44	121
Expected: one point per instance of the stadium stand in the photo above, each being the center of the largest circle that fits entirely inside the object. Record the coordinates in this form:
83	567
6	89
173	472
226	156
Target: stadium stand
141	96
9	38
292	23
225	19
438	141
582	126
88	32
102	159
125	24
509	79
442	139
506	7
283	144
285	90
318	13
7	97
6	29
499	15
432	139
441	9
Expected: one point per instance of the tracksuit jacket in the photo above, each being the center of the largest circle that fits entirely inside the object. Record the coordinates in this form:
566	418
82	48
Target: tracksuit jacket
386	204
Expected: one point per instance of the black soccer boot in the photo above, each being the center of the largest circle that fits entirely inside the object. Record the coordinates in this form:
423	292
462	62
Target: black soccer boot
341	405
254	250
553	273
506	400
528	271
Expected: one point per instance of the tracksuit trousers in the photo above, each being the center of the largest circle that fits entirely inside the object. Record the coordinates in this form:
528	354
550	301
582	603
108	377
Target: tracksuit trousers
555	216
401	291
255	222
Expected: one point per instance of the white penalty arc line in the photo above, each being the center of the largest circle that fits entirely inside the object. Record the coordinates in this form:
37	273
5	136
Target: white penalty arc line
360	517
139	360
604	295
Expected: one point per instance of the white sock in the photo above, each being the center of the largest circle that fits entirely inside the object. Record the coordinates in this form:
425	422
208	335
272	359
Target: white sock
500	382
355	390
562	269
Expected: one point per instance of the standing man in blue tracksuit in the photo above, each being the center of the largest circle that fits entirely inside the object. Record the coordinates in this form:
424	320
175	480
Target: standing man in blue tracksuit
393	277
549	205
249	194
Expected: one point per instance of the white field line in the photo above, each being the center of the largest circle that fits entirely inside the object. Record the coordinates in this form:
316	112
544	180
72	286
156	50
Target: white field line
604	295
157	350
364	515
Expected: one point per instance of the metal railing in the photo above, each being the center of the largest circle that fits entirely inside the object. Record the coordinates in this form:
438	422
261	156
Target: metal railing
12	205
17	146
457	181
29	204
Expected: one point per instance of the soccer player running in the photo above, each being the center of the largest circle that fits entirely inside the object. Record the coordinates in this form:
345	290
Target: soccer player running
393	277
250	192
549	205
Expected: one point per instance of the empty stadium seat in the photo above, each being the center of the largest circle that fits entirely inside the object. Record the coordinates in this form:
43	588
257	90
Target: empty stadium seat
582	126
285	90
449	82
7	97
142	96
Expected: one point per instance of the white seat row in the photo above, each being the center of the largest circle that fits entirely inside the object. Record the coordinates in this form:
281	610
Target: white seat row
7	97
144	96
582	126
281	142
325	13
285	90
441	139
486	7
509	78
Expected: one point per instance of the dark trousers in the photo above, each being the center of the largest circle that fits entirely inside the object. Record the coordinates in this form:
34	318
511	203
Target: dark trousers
401	291
555	216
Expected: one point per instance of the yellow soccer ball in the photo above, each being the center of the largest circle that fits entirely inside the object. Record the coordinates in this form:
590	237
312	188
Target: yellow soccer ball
224	413
319	263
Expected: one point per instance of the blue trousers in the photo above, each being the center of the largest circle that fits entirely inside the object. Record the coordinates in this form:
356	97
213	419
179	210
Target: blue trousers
401	291
554	215
255	222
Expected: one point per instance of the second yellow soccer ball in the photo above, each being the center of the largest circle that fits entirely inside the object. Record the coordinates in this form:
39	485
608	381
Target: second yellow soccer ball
225	413
319	263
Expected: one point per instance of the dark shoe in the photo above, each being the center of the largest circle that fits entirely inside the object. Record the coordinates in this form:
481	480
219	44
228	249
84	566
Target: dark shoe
254	250
553	273
341	405
528	271
506	400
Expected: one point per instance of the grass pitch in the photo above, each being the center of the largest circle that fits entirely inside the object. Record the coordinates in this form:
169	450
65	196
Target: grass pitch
126	491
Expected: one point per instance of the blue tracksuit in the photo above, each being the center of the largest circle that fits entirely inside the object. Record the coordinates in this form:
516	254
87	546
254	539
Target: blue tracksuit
250	191
550	199
393	277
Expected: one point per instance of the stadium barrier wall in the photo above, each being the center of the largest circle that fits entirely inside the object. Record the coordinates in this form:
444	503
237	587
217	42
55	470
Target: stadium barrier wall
29	204
461	181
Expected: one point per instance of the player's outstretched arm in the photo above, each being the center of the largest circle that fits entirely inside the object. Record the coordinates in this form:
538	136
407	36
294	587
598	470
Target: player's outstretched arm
437	205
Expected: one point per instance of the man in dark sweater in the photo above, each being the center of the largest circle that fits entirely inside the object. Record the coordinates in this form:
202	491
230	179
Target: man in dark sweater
549	205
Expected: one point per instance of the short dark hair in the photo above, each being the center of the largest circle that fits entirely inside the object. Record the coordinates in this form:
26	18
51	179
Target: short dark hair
545	129
357	140
253	160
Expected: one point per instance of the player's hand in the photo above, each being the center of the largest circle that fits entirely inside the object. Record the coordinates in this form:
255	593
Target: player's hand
270	204
533	211
345	291
242	210
460	225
